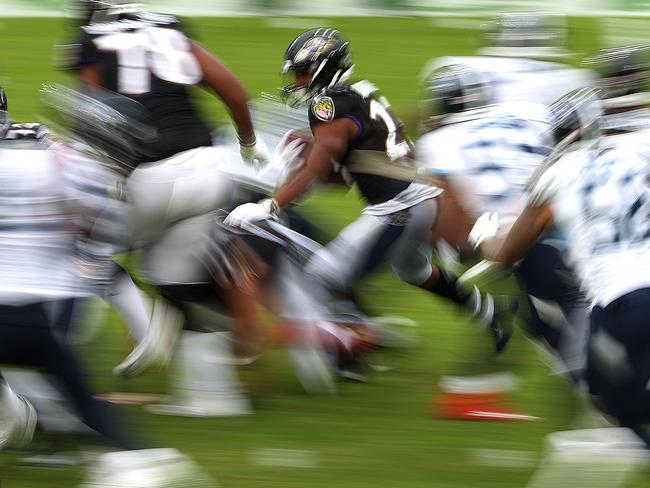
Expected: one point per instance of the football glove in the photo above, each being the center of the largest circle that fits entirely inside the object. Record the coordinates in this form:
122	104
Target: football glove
485	227
253	212
254	153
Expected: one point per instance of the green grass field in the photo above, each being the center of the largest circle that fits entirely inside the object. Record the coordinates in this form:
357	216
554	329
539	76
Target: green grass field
378	435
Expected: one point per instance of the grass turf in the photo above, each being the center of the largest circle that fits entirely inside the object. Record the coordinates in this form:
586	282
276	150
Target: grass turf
375	435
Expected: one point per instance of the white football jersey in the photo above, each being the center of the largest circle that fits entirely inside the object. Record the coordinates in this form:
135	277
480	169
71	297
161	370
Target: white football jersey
491	158
37	235
521	79
601	201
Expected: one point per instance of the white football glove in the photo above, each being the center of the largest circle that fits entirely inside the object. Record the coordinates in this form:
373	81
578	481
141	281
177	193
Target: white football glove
253	212
255	153
485	227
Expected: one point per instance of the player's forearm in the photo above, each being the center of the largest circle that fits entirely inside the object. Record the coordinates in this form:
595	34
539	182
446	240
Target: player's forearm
525	232
298	186
229	89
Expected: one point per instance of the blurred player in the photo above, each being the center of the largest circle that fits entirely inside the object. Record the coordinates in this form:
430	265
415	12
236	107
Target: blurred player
597	194
40	225
148	58
485	155
522	61
354	122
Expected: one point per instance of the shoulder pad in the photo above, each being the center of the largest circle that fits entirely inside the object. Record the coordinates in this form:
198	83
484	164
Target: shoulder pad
364	88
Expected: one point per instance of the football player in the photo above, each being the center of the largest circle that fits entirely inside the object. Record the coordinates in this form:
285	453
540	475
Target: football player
597	194
148	58
485	154
352	123
40	226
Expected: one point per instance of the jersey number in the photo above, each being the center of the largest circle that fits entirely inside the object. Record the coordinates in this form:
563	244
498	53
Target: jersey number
379	111
163	52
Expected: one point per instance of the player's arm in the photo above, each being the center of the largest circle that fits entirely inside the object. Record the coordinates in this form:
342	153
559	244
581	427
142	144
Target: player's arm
525	232
457	213
91	75
228	88
330	144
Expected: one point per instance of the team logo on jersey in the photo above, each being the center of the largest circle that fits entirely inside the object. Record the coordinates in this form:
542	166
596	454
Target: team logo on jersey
323	108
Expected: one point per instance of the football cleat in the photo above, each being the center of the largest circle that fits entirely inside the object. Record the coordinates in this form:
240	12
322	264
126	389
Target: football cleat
17	429
497	315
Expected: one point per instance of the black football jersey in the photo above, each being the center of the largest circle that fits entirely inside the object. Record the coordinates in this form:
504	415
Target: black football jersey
147	57
379	130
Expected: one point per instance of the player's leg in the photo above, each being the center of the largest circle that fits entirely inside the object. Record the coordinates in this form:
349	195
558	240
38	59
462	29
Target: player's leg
205	381
130	303
413	264
17	417
558	310
618	360
29	340
359	248
185	185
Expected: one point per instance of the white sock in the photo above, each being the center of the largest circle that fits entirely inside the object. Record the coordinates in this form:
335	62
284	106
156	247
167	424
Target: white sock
204	366
133	306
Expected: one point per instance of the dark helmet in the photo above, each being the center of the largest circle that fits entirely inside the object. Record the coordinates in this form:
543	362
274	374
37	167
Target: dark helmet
624	75
321	53
575	117
526	34
115	126
454	89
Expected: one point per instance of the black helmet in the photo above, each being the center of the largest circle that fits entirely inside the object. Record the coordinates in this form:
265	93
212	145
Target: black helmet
115	126
321	53
454	89
575	117
624	75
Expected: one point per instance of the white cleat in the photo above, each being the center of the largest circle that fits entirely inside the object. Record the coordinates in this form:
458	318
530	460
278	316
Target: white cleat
231	405
147	468
18	429
157	347
205	381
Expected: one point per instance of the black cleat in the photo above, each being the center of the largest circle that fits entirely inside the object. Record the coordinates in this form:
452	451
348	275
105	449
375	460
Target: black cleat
497	316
